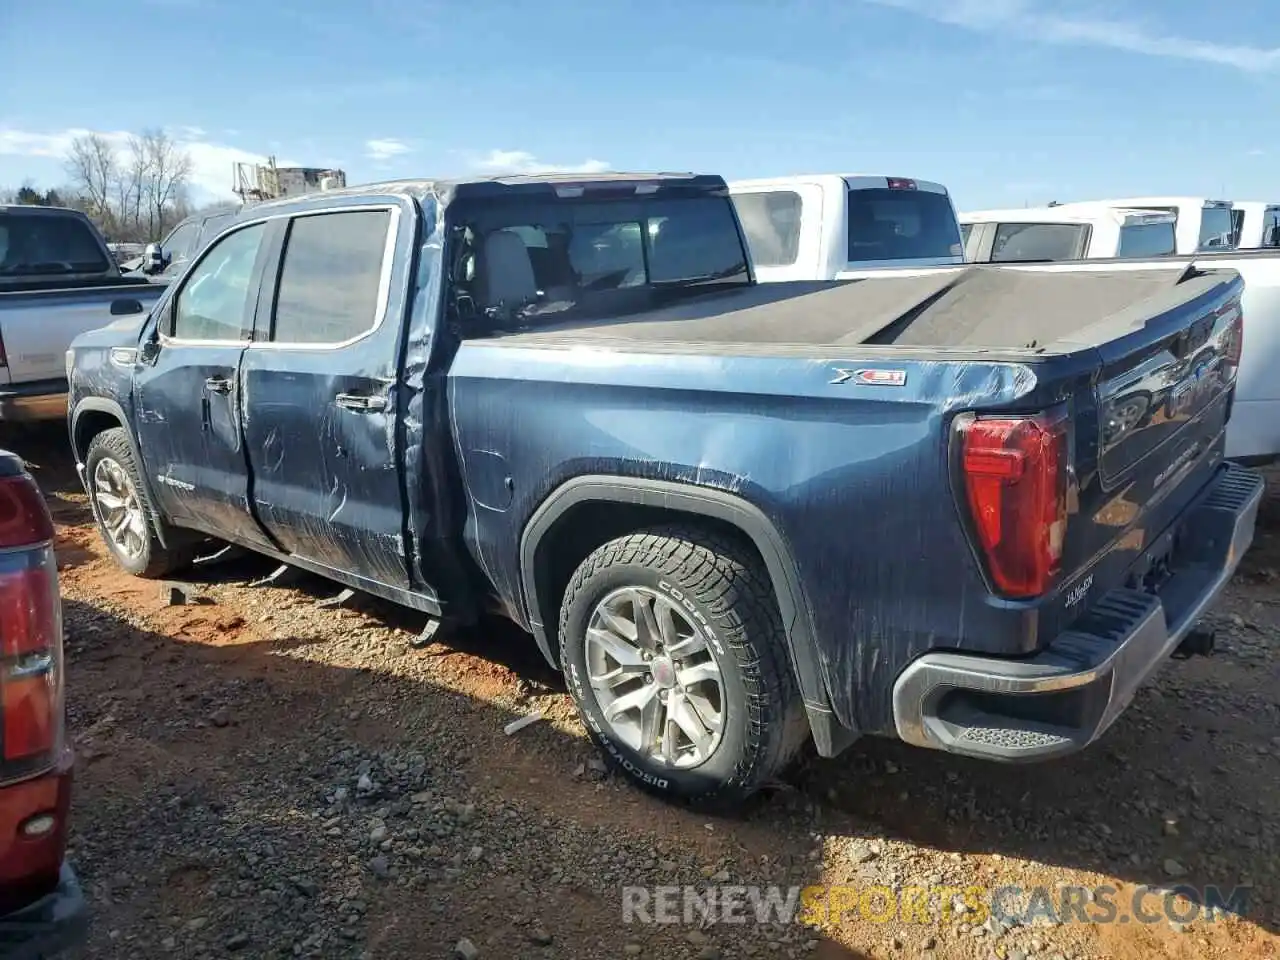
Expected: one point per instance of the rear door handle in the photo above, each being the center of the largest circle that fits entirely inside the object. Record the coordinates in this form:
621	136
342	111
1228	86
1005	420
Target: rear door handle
218	385
353	401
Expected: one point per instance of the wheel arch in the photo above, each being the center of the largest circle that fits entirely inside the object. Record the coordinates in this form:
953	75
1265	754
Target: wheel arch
587	511
95	415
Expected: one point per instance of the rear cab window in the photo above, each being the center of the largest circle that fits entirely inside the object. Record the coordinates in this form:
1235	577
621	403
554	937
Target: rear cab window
901	223
47	245
530	261
1023	242
1148	240
1217	228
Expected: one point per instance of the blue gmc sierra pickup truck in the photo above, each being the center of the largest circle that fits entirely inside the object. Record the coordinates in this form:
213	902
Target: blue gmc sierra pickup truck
972	507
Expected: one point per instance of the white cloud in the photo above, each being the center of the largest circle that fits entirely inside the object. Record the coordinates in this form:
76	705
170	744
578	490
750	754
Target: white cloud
385	149
521	161
1036	21
212	164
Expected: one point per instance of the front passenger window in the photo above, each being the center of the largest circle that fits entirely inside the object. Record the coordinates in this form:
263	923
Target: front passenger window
216	302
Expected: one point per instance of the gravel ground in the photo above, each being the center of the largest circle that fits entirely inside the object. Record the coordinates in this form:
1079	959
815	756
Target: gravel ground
264	777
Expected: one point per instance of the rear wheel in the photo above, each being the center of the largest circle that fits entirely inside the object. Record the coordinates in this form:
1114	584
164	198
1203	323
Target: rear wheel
121	510
674	652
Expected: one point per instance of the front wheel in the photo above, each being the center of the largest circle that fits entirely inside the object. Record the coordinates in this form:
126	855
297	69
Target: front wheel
673	650
120	508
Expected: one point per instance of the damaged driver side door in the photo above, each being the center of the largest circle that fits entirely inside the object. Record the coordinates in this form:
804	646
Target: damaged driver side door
187	392
321	387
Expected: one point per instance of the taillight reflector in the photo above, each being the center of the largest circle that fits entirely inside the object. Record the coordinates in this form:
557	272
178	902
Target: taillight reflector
31	708
1015	484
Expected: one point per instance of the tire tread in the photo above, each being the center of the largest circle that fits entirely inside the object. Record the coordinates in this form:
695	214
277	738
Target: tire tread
726	578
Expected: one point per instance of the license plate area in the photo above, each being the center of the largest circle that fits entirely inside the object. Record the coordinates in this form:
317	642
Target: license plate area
1154	568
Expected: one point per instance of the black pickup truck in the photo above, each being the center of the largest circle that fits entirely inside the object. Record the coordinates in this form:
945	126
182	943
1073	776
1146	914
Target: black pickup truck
972	508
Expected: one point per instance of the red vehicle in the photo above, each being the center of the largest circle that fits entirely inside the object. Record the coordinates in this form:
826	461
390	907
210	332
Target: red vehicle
42	908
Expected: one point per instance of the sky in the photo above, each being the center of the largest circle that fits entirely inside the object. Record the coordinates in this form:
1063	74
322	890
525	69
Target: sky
1007	102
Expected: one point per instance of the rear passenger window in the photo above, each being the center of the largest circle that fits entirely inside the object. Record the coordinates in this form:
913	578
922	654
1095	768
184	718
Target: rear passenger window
330	277
771	222
1021	242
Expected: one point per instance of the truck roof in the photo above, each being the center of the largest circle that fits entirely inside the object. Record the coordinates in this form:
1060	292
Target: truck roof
829	179
448	189
1065	214
40	210
1167	201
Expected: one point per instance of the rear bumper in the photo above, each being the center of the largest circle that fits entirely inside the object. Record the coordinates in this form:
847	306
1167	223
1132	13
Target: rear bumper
1066	696
38	400
56	922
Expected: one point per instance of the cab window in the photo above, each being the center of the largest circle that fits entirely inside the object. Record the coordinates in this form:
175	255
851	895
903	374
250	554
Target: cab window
216	301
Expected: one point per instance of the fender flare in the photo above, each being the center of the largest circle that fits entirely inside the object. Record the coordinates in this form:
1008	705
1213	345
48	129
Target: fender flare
112	408
829	735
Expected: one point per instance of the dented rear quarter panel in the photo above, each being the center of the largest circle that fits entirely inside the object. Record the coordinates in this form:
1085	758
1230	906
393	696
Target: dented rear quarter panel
854	478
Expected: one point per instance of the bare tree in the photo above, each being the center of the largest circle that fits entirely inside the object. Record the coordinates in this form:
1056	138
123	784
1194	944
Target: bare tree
131	175
167	171
94	171
135	192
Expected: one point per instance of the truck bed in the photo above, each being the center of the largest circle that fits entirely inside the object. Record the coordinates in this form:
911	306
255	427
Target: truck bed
974	307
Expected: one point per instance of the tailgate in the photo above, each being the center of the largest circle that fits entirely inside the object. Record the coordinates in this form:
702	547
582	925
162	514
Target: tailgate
1163	395
36	328
1162	388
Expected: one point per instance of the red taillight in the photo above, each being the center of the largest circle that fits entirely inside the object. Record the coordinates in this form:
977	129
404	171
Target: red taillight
31	717
1015	481
24	600
24	517
900	183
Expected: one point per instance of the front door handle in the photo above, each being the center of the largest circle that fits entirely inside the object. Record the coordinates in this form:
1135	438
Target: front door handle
218	385
354	401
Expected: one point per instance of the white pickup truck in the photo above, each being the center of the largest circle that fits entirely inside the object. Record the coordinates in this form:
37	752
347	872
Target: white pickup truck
833	226
1256	224
1039	234
1253	434
57	281
1202	224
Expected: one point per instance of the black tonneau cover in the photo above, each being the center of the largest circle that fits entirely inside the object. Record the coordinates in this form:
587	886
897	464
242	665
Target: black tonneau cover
993	307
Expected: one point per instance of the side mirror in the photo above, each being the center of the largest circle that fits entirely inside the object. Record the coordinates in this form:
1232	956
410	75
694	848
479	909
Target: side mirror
153	258
124	308
149	349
